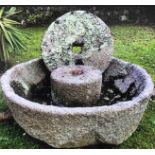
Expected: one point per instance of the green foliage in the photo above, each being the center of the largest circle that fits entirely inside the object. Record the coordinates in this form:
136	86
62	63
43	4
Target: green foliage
135	44
35	15
11	38
32	45
33	18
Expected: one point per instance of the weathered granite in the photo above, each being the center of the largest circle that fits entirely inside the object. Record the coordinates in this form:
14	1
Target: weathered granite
76	85
82	29
69	127
115	70
124	84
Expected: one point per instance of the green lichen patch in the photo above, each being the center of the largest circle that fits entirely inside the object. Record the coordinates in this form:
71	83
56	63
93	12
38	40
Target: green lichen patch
77	32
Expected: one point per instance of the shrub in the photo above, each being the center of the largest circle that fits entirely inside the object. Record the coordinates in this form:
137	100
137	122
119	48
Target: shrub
11	37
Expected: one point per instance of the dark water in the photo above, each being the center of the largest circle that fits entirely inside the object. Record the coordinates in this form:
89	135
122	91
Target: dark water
41	93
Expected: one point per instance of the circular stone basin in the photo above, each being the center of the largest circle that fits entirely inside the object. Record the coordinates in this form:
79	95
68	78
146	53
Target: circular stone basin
76	85
70	127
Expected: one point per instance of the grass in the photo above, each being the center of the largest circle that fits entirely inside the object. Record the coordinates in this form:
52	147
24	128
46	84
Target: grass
76	49
135	44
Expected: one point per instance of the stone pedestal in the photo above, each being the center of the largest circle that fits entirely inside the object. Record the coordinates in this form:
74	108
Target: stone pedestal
76	85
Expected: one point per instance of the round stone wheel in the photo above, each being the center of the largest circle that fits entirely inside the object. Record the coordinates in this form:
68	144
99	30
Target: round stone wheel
77	37
76	85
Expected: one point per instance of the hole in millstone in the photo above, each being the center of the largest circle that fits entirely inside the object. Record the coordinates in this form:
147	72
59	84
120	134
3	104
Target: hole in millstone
77	47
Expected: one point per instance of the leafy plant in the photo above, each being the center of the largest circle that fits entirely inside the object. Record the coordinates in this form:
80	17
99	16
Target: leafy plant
33	18
11	37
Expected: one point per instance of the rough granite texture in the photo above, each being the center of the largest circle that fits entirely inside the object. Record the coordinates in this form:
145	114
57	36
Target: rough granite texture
70	127
123	84
76	85
81	29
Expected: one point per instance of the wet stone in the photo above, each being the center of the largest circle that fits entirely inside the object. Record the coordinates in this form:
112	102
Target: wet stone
117	97
110	93
123	84
116	70
106	98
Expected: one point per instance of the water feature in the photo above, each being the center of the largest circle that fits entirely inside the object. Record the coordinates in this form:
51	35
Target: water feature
77	94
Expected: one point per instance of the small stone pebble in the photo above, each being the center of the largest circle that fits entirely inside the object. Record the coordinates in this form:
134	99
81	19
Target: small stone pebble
106	98
116	97
110	91
24	134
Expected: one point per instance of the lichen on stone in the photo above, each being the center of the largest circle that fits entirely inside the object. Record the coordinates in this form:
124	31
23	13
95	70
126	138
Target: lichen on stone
77	28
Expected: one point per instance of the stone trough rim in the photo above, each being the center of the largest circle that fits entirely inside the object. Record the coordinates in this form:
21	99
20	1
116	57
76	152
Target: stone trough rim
122	105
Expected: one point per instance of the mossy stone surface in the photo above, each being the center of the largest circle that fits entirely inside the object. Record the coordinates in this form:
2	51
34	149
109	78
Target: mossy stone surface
82	30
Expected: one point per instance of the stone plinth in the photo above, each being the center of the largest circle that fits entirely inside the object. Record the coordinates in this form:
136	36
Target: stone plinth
76	85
